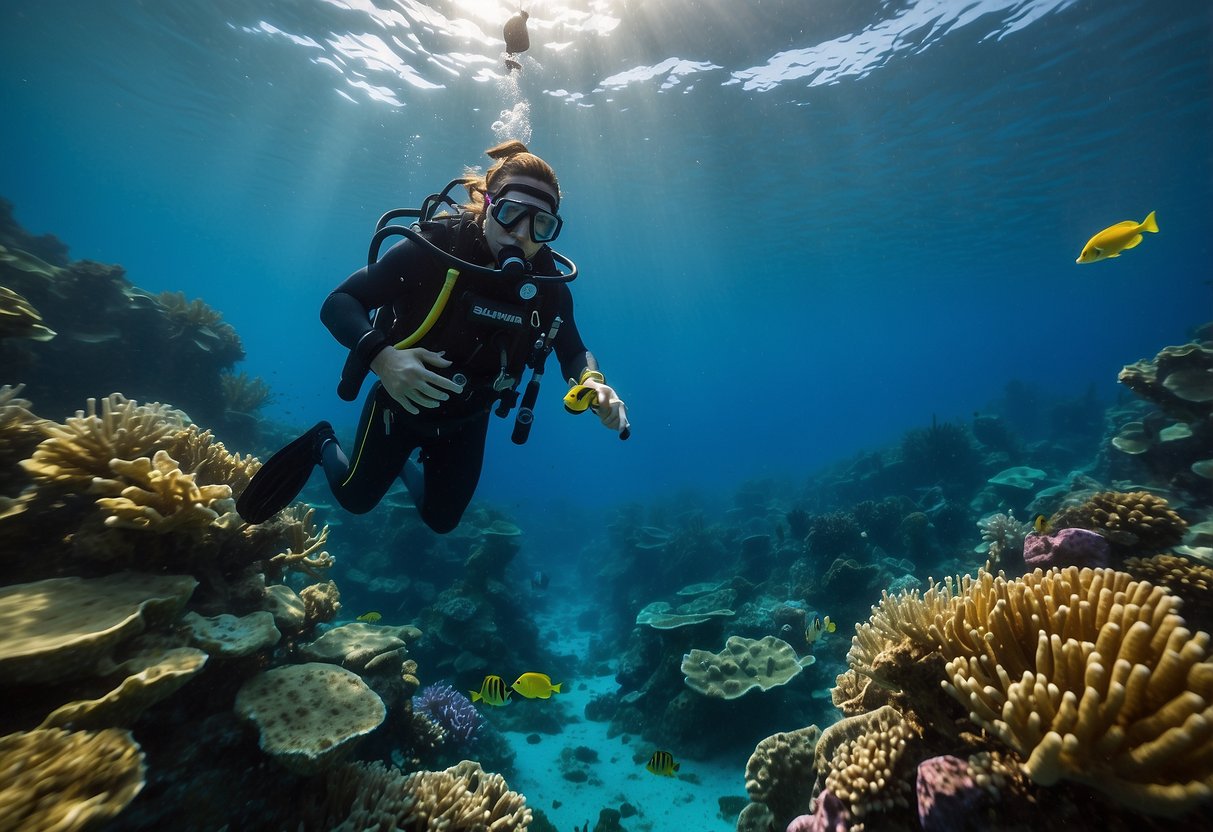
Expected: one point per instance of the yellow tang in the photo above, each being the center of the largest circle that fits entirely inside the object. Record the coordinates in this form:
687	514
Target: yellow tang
662	764
492	692
370	617
819	628
535	686
1116	238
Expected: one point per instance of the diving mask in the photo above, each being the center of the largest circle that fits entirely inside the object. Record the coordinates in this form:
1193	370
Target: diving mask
545	226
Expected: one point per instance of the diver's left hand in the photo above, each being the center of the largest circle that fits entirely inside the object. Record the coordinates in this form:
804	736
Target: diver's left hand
609	408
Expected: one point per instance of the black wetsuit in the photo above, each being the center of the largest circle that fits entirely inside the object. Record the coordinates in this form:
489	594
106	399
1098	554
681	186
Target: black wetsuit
487	330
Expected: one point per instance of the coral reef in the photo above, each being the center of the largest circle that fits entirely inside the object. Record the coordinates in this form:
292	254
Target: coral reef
111	335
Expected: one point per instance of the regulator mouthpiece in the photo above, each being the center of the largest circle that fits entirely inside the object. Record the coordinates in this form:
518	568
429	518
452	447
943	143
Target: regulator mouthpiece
512	260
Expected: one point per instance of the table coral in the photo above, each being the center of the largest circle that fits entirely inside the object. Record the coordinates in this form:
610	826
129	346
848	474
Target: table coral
309	715
62	781
63	628
154	676
743	665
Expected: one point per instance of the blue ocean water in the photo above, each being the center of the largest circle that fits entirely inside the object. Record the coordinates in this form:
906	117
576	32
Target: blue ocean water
803	228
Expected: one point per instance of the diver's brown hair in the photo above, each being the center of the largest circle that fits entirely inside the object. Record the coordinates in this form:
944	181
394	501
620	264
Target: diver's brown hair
513	159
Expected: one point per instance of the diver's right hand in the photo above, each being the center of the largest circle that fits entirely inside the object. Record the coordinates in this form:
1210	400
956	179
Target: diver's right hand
407	378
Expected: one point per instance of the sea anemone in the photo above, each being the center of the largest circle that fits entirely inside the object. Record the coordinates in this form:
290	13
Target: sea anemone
450	709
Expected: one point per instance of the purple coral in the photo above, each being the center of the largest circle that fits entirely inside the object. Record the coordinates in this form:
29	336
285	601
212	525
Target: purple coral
1068	547
450	709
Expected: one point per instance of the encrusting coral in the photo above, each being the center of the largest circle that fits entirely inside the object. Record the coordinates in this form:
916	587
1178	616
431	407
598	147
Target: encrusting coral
780	773
63	781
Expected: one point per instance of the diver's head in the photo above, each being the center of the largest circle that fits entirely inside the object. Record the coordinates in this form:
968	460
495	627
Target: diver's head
516	201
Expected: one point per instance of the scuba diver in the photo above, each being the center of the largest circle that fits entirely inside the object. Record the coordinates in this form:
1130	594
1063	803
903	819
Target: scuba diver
448	320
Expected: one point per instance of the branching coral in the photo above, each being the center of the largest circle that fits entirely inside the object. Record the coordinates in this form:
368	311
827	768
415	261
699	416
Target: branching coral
1088	674
201	324
1002	538
161	497
305	551
243	393
209	461
80	449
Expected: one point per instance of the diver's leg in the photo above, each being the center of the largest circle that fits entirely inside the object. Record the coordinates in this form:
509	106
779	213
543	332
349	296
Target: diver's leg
359	481
451	462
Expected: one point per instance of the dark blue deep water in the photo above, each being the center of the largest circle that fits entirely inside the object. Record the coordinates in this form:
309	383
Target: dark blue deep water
803	227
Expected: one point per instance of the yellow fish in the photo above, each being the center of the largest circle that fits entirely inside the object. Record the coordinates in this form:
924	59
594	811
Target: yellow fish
1117	238
535	686
370	617
492	692
1041	524
662	764
818	628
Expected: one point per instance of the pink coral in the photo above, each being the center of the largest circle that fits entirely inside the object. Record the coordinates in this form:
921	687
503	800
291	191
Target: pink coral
831	816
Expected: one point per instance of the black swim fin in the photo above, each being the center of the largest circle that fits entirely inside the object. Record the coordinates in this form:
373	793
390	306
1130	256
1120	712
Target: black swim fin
283	476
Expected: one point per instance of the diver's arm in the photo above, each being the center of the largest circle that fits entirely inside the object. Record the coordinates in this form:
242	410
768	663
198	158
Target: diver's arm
406	374
347	310
580	367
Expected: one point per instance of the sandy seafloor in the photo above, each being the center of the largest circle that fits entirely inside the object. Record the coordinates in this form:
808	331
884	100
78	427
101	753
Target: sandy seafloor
689	801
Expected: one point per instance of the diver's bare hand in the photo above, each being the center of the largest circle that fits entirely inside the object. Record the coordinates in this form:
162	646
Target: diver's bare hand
407	377
608	406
